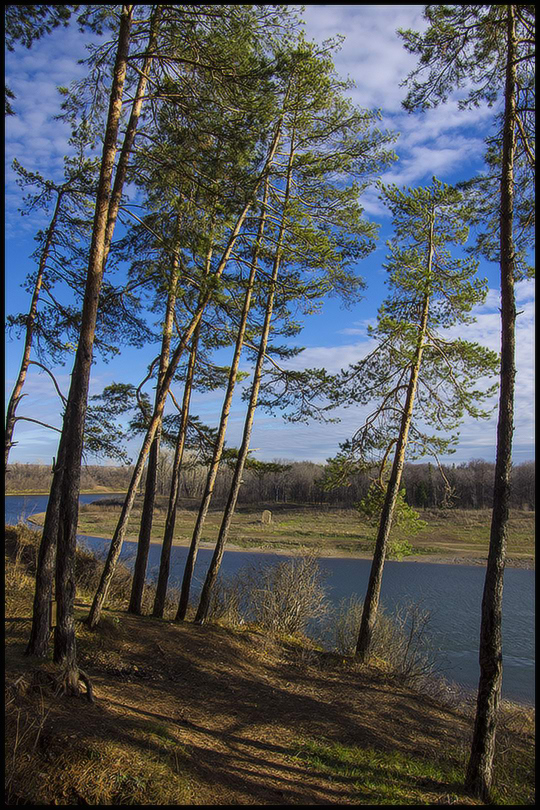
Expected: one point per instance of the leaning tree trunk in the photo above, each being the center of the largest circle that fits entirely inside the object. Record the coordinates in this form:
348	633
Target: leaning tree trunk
371	601
59	532
215	563
217	453
480	766
30	322
145	533
192	554
168	535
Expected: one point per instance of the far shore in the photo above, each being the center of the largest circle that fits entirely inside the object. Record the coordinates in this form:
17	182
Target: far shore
329	553
21	493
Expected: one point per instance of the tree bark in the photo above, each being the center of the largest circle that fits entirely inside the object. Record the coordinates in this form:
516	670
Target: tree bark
230	507
168	535
145	533
217	453
480	766
371	601
165	560
59	532
73	430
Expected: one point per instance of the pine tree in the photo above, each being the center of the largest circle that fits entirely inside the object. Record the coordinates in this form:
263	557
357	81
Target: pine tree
490	48
316	221
59	532
415	375
69	200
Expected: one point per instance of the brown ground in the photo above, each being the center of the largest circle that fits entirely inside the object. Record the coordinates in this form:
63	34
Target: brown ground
232	707
239	706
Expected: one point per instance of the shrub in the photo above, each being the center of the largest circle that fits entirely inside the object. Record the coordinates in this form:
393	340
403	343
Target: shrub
402	640
288	595
228	600
281	597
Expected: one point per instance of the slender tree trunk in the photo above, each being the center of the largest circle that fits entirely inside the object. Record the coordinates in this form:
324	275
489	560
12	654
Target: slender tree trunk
371	601
230	507
63	500
131	131
121	527
217	557
145	533
72	435
217	453
38	643
480	766
30	322
168	536
60	527
165	560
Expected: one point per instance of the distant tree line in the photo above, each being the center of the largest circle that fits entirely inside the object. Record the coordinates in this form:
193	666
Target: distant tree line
464	486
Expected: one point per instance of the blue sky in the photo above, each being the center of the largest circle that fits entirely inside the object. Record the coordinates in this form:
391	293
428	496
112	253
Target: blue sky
445	142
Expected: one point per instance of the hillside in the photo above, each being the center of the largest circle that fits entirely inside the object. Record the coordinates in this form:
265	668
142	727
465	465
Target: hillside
217	715
456	535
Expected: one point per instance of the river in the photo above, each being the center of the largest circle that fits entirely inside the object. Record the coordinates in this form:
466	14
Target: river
451	593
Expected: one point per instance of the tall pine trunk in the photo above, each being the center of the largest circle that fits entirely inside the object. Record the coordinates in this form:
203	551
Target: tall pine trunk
217	452
118	538
145	533
480	766
215	563
59	531
371	601
170	522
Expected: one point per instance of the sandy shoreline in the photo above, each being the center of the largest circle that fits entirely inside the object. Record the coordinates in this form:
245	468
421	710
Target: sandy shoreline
432	558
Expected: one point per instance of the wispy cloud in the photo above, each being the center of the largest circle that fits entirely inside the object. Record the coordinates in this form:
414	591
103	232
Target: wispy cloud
445	141
33	136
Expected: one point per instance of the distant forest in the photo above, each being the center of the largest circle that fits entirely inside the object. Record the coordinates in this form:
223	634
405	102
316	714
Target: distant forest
467	486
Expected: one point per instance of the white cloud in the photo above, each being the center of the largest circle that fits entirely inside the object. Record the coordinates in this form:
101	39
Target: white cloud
33	136
440	141
443	141
372	53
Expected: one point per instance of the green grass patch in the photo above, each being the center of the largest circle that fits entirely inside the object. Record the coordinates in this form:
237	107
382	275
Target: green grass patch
379	777
455	533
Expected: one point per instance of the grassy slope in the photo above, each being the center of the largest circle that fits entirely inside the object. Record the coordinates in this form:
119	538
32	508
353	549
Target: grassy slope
215	715
453	535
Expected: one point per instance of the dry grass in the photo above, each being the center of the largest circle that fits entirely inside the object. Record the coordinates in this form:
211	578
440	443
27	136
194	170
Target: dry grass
210	715
455	535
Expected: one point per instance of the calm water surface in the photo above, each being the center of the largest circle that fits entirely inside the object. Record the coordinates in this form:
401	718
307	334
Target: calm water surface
452	594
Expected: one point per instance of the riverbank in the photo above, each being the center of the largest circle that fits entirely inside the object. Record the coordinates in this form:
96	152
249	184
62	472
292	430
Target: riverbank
96	491
459	537
435	559
223	715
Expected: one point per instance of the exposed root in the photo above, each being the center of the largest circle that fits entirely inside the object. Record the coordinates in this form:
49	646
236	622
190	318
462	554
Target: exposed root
88	683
